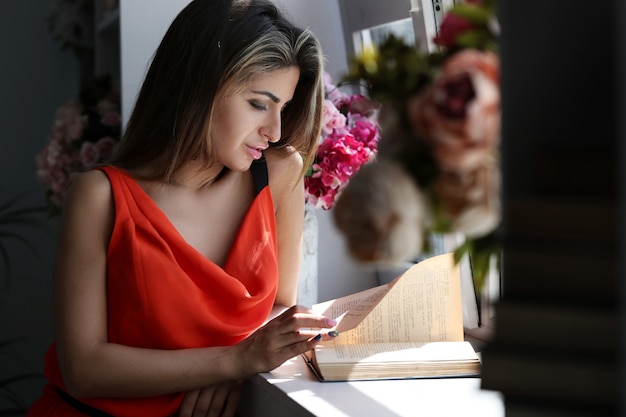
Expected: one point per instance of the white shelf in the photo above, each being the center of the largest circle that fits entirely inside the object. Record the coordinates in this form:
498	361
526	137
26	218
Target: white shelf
292	390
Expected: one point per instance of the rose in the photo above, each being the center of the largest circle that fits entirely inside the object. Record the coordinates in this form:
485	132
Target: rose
452	26
459	113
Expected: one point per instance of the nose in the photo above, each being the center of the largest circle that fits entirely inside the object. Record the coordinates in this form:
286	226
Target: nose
272	129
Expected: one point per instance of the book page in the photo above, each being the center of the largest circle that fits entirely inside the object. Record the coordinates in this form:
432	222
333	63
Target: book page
422	305
397	352
358	304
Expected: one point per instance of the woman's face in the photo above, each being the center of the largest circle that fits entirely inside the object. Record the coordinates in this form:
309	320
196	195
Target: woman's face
246	122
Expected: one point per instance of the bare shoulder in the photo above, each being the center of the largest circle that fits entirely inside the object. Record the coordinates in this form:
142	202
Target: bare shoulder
284	168
284	165
284	161
95	183
90	191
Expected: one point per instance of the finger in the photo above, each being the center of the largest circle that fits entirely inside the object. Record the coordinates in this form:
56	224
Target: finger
324	336
188	404
326	333
329	335
232	402
299	348
219	400
204	402
282	340
307	321
294	310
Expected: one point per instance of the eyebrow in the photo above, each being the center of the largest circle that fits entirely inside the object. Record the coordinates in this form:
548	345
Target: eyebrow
268	94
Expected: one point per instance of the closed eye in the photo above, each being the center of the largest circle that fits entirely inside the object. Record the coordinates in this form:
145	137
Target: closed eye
257	106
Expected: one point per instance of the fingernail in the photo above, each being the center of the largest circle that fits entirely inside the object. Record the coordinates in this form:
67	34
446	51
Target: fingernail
333	333
331	322
318	337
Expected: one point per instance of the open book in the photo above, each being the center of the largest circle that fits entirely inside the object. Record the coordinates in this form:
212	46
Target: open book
409	328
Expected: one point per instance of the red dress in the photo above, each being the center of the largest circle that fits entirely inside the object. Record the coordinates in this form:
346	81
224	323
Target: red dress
163	294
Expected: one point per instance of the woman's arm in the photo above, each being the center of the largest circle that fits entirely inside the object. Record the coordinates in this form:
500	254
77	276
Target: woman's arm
90	365
287	186
93	367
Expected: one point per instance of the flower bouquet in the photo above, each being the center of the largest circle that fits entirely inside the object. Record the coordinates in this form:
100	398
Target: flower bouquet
84	134
438	164
350	135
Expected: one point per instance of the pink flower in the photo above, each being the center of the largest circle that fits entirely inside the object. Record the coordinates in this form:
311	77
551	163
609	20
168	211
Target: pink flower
69	111
339	157
92	154
319	195
359	104
365	131
74	128
333	119
89	155
350	136
459	113
106	146
71	146
111	119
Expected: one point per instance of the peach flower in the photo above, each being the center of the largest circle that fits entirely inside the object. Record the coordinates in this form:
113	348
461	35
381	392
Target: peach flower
459	113
471	200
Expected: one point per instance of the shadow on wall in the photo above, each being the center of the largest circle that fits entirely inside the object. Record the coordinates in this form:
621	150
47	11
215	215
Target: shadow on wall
26	329
36	78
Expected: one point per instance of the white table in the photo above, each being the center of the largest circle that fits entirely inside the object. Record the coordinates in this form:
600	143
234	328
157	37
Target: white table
291	390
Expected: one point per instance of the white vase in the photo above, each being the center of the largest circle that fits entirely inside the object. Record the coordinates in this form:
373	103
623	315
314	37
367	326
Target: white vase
307	283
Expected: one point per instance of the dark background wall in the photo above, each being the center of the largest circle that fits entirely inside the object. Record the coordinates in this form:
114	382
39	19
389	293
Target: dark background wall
558	348
35	78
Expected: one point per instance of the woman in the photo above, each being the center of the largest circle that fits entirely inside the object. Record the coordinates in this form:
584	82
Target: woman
172	258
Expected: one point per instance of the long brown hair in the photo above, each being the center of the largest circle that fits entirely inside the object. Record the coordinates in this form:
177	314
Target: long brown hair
214	47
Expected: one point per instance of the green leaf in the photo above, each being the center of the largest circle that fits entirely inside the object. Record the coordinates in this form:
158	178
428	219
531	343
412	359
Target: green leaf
478	39
480	262
462	250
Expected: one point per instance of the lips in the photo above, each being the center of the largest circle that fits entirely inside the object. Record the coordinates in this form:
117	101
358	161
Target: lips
256	151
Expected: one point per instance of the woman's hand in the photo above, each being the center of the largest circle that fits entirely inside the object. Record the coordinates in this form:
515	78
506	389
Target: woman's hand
217	400
290	334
